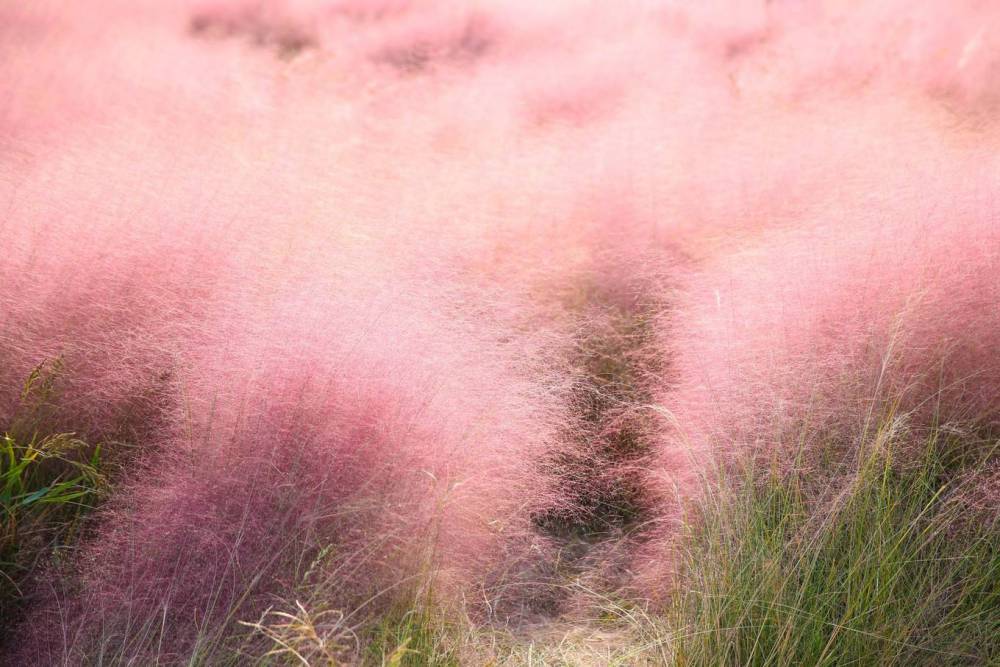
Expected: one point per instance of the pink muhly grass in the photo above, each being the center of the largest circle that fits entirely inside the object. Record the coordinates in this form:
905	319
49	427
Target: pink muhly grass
325	267
812	338
405	443
116	320
829	326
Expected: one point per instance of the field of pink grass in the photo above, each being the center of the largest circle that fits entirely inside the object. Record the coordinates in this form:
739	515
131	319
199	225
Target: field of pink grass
386	309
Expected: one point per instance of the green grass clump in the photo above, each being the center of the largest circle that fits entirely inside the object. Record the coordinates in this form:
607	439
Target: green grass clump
401	637
48	481
44	489
411	638
887	567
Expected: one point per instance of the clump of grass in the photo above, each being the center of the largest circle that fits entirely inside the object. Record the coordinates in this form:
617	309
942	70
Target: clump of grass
35	485
47	483
44	491
887	568
306	638
410	638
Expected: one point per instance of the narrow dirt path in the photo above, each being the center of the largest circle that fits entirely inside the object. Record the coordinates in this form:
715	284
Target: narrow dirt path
601	478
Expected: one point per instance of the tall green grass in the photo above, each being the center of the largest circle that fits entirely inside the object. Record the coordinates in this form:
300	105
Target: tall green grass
886	565
412	638
39	480
47	483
